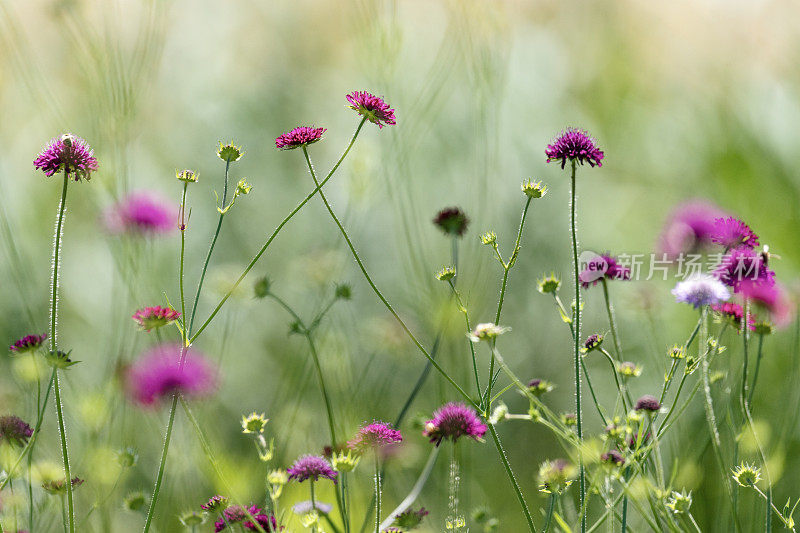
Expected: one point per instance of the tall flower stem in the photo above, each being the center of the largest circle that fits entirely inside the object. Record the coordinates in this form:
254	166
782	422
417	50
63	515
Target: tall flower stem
274	234
210	250
611	321
577	351
512	478
181	268
377	493
313	504
550	508
377	291
415	490
54	346
162	464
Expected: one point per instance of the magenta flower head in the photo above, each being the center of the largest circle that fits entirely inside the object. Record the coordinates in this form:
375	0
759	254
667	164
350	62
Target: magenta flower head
701	290
141	213
731	232
372	107
158	374
14	430
647	403
452	221
374	436
28	343
300	136
311	467
603	267
771	298
67	153
744	264
613	457
689	228
235	514
574	145
150	318
733	313
453	421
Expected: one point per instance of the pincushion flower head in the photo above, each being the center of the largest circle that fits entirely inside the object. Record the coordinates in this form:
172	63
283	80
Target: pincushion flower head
69	153
235	514
14	430
158	374
689	227
408	520
744	264
556	476
58	486
150	318
733	313
311	467
141	213
215	503
603	267
574	145
701	290
731	232
374	436
28	343
592	342
453	421
452	221
372	107
486	331
647	403
300	136
771	298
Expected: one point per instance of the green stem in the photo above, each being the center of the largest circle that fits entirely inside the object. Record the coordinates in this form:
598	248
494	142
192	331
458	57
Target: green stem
415	490
183	253
502	453
611	321
463	309
551	505
210	250
623	391
377	493
577	354
313	505
275	234
591	392
53	347
162	464
377	291
755	373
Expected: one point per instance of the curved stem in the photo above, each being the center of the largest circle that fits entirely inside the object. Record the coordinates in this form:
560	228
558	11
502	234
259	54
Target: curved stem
377	291
53	347
611	321
463	309
415	490
577	351
162	464
502	453
210	250
274	234
623	391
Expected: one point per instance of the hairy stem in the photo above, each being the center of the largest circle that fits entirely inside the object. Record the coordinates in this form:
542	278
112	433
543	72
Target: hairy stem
511	478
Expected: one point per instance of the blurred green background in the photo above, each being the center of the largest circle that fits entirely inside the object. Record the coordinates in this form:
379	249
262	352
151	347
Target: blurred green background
687	98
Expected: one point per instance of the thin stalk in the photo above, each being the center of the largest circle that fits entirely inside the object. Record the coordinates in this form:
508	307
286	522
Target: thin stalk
275	234
623	391
53	347
415	490
755	372
592	394
549	516
313	505
377	493
502	453
162	464
377	291
611	321
210	249
577	354
183	253
463	309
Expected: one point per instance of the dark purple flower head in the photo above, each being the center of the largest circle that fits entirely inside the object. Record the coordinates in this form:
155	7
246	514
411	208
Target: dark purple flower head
236	514
592	342
733	313
67	153
731	232
141	213
453	421
14	430
452	221
158	374
155	317
613	457
603	267
311	467
300	136
574	145
647	403
373	436
28	343
372	107
408	520
744	264
58	486
215	503
689	228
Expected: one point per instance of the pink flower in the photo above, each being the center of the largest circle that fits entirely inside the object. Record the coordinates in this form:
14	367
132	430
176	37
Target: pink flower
689	228
300	136
67	152
373	436
141	213
452	421
372	107
159	374
311	467
155	317
772	298
574	145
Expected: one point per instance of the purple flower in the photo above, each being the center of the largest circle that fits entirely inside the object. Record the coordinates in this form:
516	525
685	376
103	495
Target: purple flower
613	457
452	221
647	403
772	298
731	232
744	264
300	136
141	213
374	436
372	107
701	290
574	145
311	467
69	153
231	515
158	374
14	430
733	312
602	267
592	342
28	343
235	514
150	318
689	227
408	520
452	421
